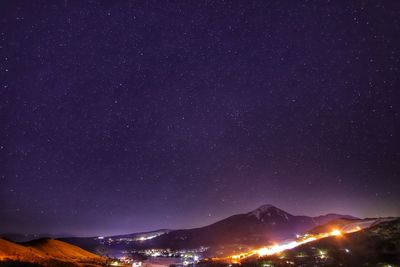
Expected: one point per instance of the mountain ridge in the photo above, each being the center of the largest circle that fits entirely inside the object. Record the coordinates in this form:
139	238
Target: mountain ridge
260	226
265	224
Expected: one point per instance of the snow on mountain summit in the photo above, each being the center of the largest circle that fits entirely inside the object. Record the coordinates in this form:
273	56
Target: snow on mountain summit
270	211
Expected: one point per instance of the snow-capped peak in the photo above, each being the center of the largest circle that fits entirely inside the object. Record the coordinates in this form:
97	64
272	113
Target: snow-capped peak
261	210
266	207
269	210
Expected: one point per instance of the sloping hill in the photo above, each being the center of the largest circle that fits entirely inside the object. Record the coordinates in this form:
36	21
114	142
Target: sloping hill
10	250
61	250
48	252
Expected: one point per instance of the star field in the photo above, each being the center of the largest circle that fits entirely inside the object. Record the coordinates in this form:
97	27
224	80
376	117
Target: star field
121	116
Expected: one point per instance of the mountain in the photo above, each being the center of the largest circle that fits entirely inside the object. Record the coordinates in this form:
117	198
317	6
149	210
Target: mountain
261	226
46	252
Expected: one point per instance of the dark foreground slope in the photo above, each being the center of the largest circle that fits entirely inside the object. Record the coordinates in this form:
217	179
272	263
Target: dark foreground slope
378	245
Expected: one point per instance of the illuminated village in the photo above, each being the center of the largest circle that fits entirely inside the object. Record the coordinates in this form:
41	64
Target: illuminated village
194	257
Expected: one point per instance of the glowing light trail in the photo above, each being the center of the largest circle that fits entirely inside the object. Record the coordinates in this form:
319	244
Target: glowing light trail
275	249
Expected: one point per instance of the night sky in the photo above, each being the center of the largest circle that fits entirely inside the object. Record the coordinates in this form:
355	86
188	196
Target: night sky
123	116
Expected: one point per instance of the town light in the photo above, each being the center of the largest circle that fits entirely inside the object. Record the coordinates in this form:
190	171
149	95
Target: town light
336	232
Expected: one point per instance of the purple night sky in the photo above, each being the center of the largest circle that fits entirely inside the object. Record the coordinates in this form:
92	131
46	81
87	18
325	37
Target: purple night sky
125	116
